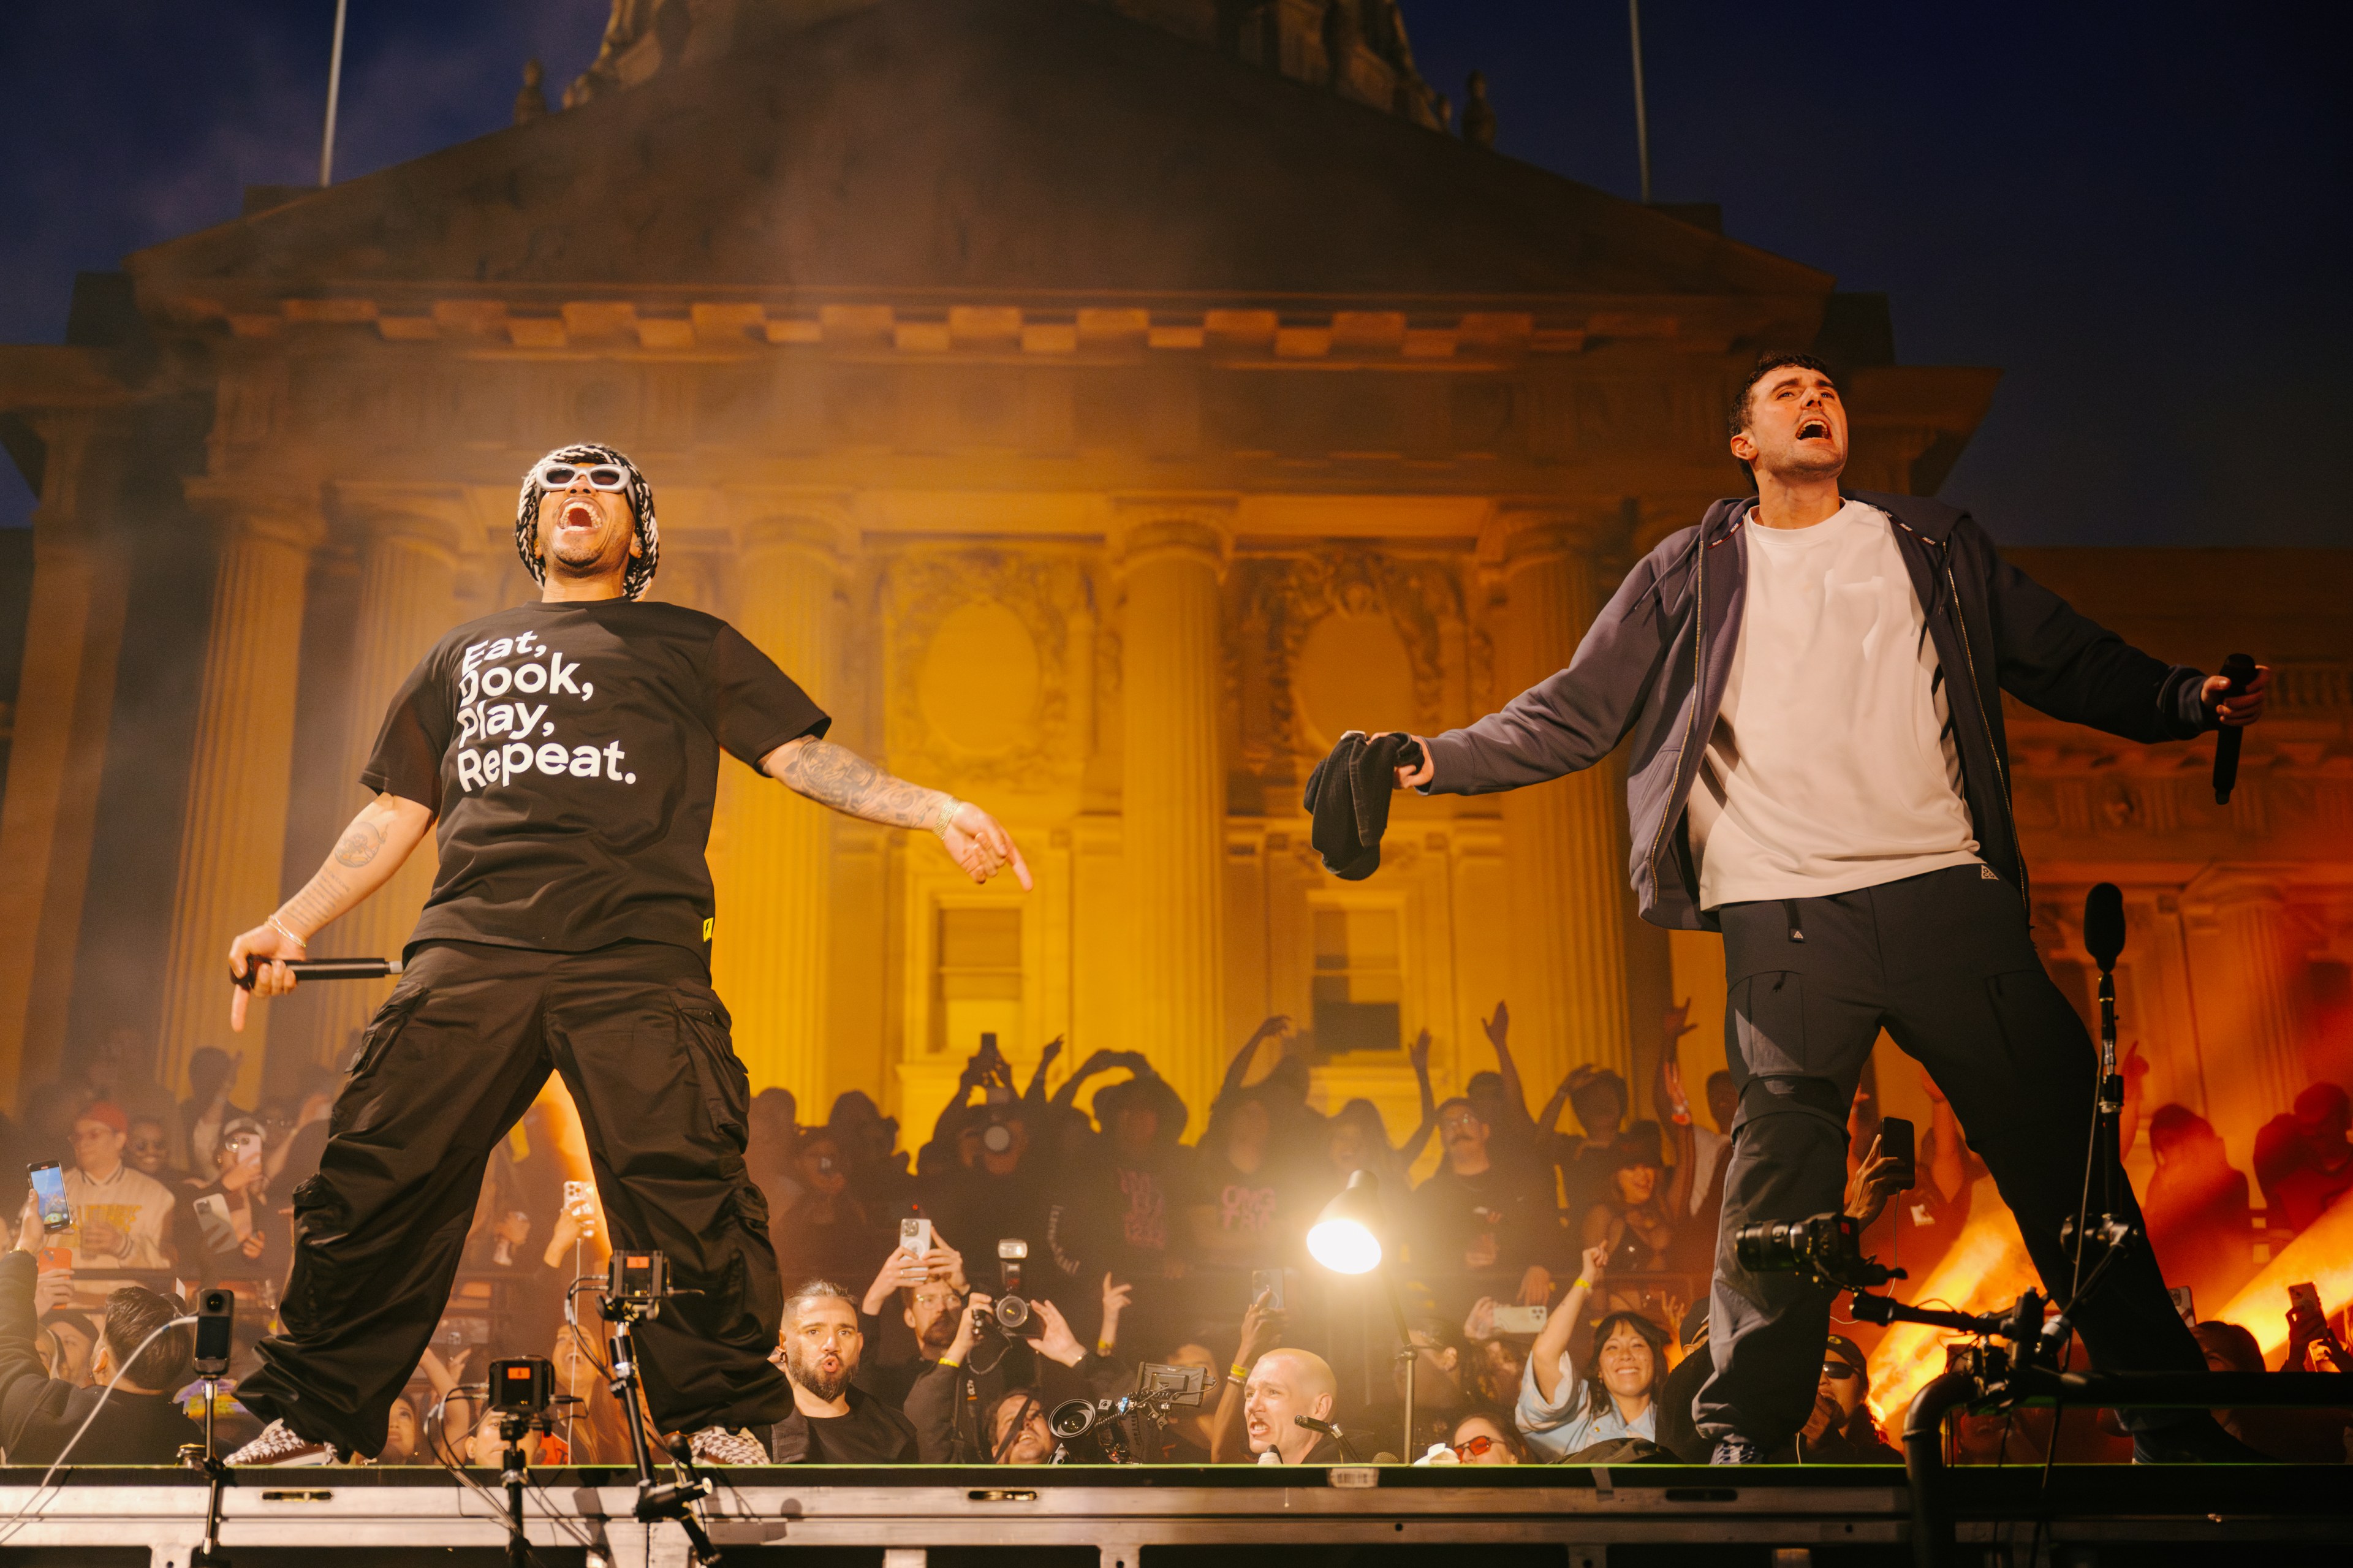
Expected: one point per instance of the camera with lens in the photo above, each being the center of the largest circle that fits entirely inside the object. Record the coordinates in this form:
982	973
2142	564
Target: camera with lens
1011	1313
1131	1426
1826	1247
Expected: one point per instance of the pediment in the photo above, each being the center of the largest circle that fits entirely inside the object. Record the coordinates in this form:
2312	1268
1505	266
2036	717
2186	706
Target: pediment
974	147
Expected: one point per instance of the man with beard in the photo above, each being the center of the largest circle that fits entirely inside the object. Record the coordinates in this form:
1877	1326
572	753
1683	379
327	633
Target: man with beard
833	1421
1480	1228
569	749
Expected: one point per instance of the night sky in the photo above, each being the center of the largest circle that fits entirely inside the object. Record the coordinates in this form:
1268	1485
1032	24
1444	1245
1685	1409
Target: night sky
2139	212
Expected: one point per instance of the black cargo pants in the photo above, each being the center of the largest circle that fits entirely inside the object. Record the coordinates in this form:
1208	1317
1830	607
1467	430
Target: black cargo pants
1943	961
448	1064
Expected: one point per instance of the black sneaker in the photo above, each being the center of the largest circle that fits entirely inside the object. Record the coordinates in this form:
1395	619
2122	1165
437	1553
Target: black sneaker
2200	1440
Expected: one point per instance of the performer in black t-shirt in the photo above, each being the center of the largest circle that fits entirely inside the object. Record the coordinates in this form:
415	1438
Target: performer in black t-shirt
569	750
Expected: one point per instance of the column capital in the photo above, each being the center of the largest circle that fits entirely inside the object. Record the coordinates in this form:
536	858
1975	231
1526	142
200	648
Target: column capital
821	525
1181	524
435	516
240	509
1525	533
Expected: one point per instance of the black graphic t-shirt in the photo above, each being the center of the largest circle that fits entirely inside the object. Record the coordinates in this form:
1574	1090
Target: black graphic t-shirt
572	751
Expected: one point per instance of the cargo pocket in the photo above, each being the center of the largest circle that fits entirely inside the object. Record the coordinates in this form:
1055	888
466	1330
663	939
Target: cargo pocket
384	1028
702	1031
1768	1035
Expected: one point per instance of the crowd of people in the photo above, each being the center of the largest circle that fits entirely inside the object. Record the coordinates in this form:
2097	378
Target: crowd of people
1031	1253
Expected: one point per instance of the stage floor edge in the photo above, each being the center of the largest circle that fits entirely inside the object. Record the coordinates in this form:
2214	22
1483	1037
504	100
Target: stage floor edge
102	1514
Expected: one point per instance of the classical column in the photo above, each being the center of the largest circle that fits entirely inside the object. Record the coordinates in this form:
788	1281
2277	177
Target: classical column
1173	787
73	634
233	832
771	947
1565	841
2248	1002
409	541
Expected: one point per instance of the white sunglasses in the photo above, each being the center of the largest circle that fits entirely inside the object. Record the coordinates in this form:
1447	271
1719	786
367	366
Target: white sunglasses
555	476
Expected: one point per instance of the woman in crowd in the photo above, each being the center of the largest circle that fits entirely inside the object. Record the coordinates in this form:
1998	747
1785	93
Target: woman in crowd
1564	1409
1485	1436
1630	1222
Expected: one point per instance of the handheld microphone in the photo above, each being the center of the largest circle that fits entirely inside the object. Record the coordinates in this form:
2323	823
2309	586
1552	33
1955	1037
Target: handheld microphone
325	969
2238	669
2104	924
1313	1424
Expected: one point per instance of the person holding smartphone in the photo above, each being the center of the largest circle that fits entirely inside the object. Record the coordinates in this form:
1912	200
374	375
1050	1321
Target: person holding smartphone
566	751
227	1228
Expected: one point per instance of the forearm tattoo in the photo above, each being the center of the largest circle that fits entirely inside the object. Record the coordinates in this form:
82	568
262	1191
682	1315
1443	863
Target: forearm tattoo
359	845
322	898
835	777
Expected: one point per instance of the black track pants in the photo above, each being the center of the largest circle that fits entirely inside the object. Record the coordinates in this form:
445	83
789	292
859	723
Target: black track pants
1942	960
450	1062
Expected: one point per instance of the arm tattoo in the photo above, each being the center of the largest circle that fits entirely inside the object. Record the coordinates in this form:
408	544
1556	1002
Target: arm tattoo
359	845
839	778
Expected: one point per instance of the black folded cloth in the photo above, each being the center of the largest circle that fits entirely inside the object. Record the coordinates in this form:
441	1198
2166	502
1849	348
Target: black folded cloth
1348	798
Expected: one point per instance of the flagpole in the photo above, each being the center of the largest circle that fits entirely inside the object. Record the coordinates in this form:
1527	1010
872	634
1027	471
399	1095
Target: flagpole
334	86
1641	117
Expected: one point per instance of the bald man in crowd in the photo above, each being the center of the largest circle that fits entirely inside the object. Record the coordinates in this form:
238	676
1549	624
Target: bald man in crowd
1285	1384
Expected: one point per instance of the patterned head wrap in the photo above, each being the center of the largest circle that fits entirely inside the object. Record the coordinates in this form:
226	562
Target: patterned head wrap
640	573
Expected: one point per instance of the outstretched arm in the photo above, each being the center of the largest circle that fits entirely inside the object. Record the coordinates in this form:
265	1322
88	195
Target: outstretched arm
836	776
1410	1150
1499	1035
1272	1028
371	849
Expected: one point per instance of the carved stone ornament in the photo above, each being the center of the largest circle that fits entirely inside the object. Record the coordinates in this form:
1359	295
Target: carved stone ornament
1285	598
990	653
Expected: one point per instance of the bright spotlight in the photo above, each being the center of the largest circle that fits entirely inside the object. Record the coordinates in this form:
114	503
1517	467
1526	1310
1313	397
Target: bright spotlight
1345	1238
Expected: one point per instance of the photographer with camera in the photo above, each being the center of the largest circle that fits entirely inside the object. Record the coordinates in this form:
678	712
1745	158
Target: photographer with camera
833	1421
1000	1342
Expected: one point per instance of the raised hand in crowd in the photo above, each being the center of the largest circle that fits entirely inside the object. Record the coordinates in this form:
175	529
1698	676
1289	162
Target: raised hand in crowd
1057	1343
1419	1054
2308	1331
904	1267
1116	1299
1499	1035
1035	1093
1552	1340
975	1312
1262	1325
1535	1286
1277	1027
1479	1323
1879	1177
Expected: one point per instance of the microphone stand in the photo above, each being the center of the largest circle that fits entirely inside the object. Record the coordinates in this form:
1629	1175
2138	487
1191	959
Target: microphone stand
656	1501
1408	1353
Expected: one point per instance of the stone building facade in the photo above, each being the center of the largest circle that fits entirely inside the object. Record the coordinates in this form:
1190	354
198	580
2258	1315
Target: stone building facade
1099	412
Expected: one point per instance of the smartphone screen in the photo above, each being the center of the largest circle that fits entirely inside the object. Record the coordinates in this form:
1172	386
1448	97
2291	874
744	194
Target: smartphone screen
2307	1295
49	1190
1268	1282
1520	1320
1895	1141
2183	1303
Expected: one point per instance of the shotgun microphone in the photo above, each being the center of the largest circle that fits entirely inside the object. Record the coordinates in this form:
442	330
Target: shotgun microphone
2238	669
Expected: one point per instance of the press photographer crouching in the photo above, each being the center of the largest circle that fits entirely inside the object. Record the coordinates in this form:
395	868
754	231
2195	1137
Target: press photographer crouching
138	1425
833	1422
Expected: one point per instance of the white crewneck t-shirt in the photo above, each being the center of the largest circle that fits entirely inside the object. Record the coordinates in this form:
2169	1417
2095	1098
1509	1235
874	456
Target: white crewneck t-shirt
1829	768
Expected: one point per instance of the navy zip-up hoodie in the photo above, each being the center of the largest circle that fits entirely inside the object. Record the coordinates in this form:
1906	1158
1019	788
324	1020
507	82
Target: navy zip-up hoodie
1654	663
